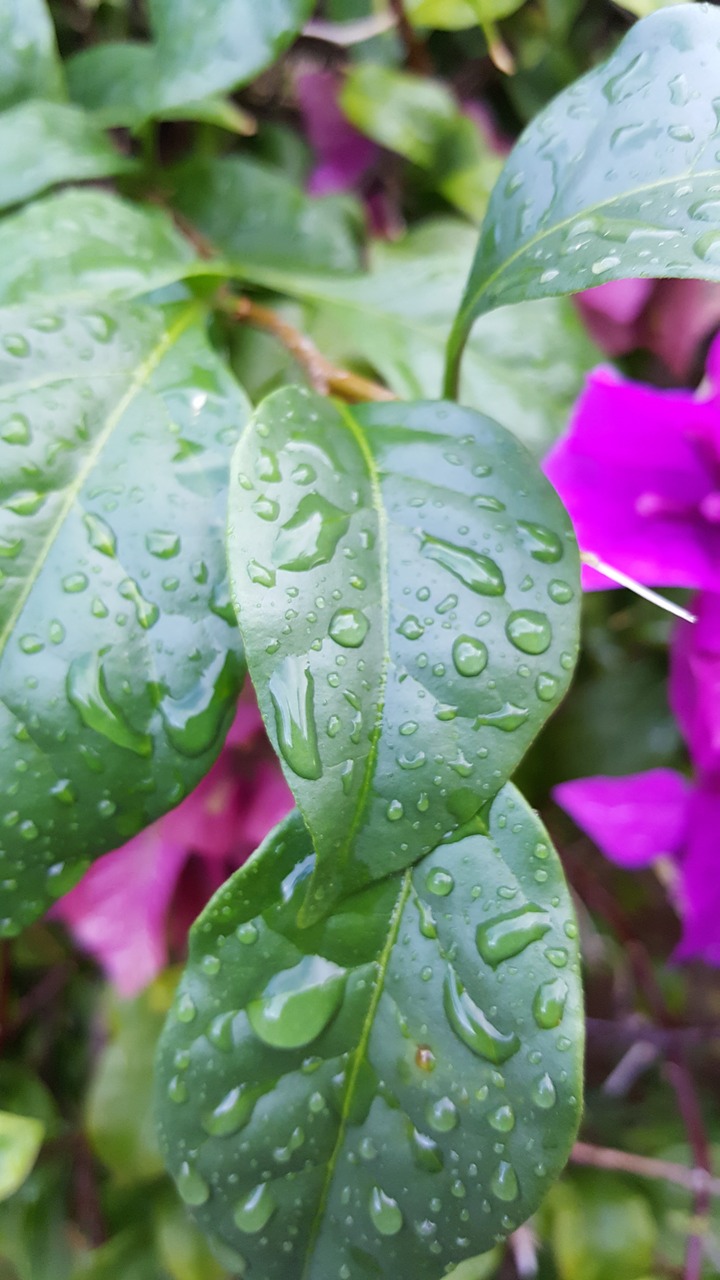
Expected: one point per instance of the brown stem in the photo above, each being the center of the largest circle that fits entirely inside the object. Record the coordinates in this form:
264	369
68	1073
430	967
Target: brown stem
418	58
692	1117
698	1180
324	376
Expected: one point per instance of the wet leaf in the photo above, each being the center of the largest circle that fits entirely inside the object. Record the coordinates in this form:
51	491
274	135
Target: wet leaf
29	63
188	61
119	658
407	587
372	1096
20	1141
45	143
616	178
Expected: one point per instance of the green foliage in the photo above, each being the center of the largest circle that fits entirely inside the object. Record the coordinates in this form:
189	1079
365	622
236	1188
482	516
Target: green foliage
396	1066
387	700
20	1141
615	178
602	1228
29	63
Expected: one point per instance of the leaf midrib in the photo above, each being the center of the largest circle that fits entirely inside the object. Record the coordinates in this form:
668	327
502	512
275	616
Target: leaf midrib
366	1031
142	375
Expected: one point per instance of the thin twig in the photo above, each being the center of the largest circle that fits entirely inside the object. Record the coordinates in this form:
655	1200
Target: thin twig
347	34
609	1158
624	580
322	374
692	1117
418	58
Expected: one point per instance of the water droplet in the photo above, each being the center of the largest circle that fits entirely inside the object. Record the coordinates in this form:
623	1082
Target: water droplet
87	690
192	1187
74	583
16	430
411	628
424	1058
260	575
232	1113
255	1211
507	718
561	592
440	882
408	728
541	543
185	1010
292	691
504	1183
509	934
549	1003
543	1093
26	502
247	933
503	1119
298	1003
146	612
472	1026
210	965
385	1213
266	508
557	956
16	345
426	1153
394	811
348	627
469	656
177	1090
193	722
100	535
546	686
476	571
267	466
162	544
220	1032
309	538
529	631
442	1115
31	644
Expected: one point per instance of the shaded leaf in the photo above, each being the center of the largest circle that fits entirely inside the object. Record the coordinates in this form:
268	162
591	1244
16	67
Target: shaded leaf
406	582
375	1094
20	1141
188	61
119	659
420	119
616	178
29	62
447	15
602	1228
45	143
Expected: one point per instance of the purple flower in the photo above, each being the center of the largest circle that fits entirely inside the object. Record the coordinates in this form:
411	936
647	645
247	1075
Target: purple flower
344	156
639	471
695	683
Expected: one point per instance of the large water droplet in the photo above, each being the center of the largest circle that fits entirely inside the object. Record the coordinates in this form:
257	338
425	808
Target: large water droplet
192	1187
442	1115
440	882
310	536
476	571
509	934
146	612
232	1113
504	1183
348	627
88	692
508	717
549	1003
298	1003
385	1213
411	628
292	690
543	1093
469	656
100	535
426	1153
194	722
529	631
472	1026
541	543
162	544
255	1211
502	1119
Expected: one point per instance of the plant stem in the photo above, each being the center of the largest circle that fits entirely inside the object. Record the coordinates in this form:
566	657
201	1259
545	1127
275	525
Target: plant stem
323	376
699	1180
692	1117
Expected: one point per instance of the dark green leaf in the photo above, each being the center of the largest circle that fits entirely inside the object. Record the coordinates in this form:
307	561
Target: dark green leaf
29	63
45	143
191	59
85	244
420	119
407	587
617	177
119	661
255	215
391	1091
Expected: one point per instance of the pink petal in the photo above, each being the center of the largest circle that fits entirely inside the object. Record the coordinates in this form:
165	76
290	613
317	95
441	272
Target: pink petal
680	316
695	682
343	154
633	820
629	446
700	878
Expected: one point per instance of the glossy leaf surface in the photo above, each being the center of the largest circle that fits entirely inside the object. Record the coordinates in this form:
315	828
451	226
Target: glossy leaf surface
20	1141
29	63
422	121
407	587
45	143
387	1093
119	658
617	177
191	58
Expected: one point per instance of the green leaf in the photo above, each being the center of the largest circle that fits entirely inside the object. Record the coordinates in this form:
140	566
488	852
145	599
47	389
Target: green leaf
406	582
119	658
189	60
526	363
602	1228
420	119
256	215
20	1141
29	62
616	178
387	1093
45	143
85	244
446	15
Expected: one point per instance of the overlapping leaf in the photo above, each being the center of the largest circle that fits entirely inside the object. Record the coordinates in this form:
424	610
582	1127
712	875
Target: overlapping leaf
618	176
29	62
119	658
45	143
391	1091
407	587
